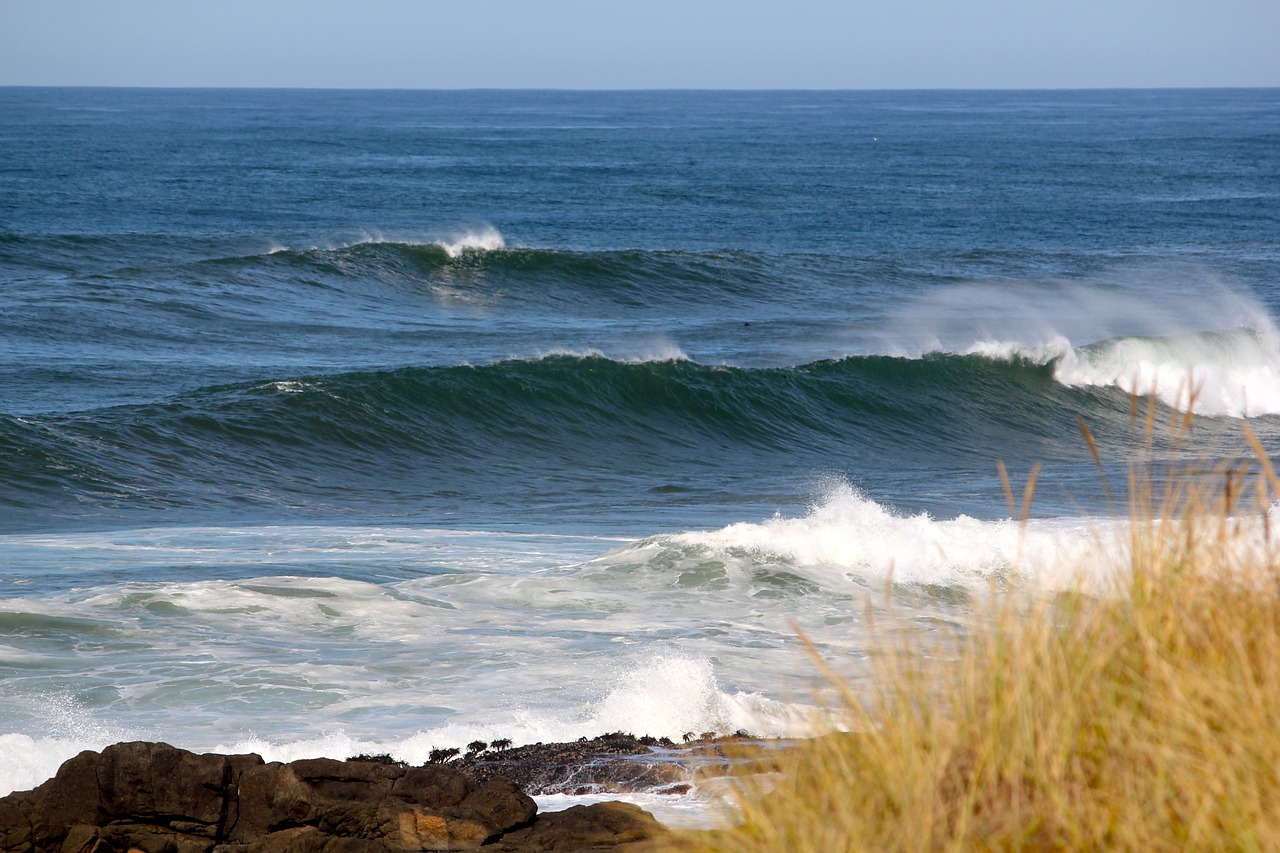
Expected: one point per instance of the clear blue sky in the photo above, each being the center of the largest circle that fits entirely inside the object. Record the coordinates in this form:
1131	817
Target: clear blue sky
587	44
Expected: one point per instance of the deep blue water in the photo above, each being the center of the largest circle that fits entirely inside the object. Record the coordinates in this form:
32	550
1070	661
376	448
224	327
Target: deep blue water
173	259
290	345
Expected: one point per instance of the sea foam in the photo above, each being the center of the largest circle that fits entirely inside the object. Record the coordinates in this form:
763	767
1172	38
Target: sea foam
27	760
483	238
848	537
1190	341
638	350
1234	373
486	239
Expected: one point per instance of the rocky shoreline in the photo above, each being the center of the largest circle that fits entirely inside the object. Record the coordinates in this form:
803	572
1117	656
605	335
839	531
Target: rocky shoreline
156	798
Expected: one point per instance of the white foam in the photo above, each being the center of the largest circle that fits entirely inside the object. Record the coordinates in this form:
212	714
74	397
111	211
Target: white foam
290	386
846	536
1180	335
1234	373
669	695
484	238
1056	348
26	761
1231	372
655	349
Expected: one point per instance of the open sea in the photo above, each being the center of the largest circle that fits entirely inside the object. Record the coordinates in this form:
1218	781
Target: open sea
377	421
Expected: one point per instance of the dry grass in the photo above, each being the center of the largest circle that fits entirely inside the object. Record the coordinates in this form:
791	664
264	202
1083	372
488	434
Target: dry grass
1146	717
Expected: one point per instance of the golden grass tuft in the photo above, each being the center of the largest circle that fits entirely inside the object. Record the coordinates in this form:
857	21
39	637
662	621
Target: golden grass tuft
1145	716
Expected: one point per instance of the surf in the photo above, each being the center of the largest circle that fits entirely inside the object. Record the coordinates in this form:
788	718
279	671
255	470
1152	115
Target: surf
1177	335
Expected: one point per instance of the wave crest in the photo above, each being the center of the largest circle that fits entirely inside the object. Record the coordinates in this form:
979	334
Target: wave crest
484	238
1176	334
847	537
1233	373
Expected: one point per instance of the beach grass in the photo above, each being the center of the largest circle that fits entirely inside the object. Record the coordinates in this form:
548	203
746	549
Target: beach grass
1139	711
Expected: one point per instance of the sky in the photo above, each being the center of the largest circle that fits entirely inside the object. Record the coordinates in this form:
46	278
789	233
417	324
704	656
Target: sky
654	44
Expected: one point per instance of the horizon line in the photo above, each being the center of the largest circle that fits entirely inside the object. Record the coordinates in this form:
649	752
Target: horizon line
636	89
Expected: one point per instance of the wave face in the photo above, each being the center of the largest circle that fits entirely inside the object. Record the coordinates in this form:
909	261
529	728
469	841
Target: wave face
554	430
546	430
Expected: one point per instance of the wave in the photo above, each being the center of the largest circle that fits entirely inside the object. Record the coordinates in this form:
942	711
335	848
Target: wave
1199	346
653	349
415	437
848	538
480	267
1234	373
1228	373
1189	341
485	238
848	541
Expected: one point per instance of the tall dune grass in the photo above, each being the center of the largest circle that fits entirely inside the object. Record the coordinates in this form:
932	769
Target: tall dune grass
1144	715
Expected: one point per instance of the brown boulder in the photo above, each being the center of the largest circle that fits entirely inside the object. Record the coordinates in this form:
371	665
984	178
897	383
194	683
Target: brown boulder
584	829
150	784
155	798
420	808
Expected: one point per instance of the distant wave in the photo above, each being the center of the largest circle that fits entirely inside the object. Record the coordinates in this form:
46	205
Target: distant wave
479	267
655	349
483	239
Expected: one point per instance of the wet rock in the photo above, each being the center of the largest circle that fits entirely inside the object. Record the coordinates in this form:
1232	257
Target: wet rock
611	763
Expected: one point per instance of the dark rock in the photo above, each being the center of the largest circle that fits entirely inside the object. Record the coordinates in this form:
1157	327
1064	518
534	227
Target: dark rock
602	826
418	808
681	788
612	763
16	821
380	758
154	798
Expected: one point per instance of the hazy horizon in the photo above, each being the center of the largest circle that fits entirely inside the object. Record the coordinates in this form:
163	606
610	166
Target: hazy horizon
689	89
584	45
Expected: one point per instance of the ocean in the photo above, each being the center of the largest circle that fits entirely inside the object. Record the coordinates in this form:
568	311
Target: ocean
378	421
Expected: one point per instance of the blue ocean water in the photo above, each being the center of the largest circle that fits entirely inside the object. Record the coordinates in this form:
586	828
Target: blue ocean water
341	421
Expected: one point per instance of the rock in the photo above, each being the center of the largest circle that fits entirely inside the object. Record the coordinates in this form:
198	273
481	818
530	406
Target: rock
155	798
612	763
601	826
150	784
420	808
